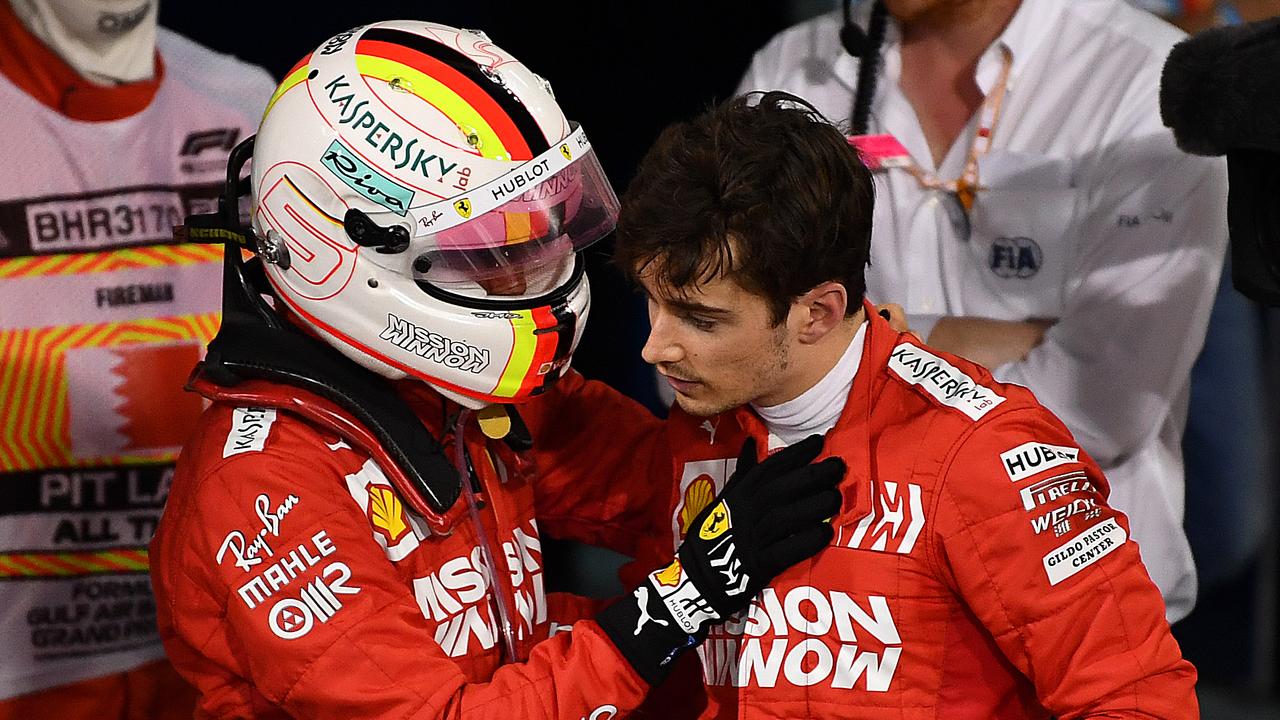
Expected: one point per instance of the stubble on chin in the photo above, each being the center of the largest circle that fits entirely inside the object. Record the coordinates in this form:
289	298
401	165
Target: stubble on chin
704	408
765	375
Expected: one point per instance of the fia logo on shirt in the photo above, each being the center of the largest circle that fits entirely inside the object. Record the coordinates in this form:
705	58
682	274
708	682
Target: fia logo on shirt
1015	257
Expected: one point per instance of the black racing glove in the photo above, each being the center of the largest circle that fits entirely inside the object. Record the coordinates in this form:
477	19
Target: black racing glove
769	517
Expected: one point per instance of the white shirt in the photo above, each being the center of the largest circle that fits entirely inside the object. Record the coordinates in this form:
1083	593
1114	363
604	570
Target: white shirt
1091	217
816	410
101	318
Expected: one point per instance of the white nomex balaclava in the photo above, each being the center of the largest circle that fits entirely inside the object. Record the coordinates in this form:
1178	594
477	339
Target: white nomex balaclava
108	42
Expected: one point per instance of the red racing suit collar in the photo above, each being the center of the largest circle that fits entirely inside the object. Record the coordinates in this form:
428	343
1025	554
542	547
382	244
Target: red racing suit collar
329	415
853	426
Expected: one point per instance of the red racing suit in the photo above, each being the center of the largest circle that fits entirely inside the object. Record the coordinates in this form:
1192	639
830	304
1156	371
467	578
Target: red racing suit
293	580
976	572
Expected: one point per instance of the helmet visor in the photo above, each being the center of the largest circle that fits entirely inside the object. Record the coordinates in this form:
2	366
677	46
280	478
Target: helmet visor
514	237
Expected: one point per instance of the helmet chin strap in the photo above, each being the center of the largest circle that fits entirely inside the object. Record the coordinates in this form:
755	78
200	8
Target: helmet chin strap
108	42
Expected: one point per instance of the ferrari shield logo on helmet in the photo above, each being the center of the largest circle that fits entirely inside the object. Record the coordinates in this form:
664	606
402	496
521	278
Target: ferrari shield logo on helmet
564	150
463	206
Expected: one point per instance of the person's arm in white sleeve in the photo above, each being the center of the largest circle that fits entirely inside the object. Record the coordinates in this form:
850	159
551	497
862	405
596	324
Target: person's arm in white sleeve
1138	298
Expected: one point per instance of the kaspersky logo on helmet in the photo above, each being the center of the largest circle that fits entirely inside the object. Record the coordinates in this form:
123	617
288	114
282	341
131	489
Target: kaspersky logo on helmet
434	346
392	139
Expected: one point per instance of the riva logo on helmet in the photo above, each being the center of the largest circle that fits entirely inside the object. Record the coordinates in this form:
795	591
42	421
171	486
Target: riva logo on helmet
365	180
434	346
381	136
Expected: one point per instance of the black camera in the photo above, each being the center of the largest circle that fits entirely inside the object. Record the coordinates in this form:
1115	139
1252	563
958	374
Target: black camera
1220	94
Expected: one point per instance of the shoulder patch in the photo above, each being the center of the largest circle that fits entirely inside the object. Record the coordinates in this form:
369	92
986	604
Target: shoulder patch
249	430
395	529
950	385
1031	458
1083	550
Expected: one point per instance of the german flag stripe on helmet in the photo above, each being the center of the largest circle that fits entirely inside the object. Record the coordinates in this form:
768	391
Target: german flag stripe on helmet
505	114
304	62
536	342
551	345
439	95
296	75
523	346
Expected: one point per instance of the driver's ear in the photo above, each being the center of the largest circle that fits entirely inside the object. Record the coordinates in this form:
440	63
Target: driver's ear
820	311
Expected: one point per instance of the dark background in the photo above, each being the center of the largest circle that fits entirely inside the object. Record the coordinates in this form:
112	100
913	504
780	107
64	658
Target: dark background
624	71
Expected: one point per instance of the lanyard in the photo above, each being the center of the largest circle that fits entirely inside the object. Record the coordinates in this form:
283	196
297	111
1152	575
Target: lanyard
965	187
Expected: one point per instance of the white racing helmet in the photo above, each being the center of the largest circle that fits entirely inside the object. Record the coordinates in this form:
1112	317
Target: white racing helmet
420	201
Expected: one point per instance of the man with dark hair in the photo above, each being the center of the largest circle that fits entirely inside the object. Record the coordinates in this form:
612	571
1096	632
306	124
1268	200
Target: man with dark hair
735	225
976	569
1036	217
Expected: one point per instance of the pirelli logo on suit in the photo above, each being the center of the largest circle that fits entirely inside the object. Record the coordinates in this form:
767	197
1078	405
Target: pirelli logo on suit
1054	488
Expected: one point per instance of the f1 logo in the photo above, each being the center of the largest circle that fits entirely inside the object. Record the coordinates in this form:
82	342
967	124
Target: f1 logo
218	138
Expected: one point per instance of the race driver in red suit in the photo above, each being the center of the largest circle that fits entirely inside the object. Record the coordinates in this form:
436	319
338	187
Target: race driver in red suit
983	575
354	530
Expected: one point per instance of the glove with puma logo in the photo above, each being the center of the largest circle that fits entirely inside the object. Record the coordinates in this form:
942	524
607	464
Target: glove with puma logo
770	516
